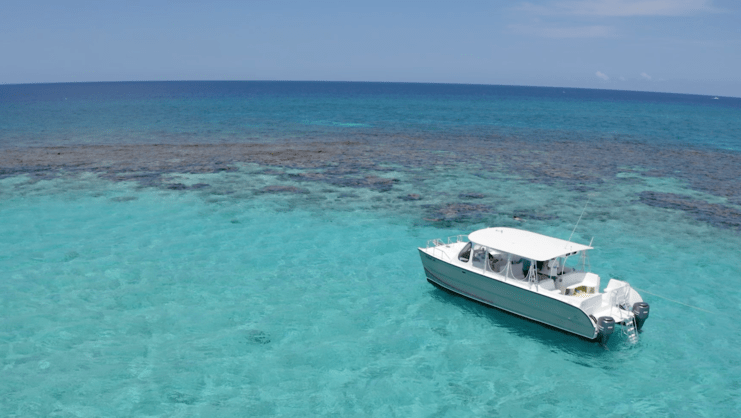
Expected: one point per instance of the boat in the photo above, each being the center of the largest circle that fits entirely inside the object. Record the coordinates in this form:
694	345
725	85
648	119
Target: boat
541	278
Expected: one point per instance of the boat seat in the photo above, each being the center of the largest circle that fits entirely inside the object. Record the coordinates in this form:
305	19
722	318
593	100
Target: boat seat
547	284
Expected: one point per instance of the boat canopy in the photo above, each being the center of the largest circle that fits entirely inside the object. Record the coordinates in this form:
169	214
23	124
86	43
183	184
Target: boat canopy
525	244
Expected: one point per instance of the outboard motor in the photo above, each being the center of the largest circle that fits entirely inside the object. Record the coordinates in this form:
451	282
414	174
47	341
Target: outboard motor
640	310
605	325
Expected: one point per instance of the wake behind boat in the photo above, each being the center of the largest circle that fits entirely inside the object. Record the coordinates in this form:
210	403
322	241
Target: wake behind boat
538	277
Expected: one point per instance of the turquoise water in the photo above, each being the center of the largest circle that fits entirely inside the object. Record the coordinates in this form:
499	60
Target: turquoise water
178	112
292	286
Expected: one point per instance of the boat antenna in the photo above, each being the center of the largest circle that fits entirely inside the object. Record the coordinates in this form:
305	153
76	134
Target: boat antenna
577	221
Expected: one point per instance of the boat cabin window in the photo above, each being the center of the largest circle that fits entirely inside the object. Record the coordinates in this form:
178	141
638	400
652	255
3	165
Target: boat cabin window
494	263
465	253
509	265
477	254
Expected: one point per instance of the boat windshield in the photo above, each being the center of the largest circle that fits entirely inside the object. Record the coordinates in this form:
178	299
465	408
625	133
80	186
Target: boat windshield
465	253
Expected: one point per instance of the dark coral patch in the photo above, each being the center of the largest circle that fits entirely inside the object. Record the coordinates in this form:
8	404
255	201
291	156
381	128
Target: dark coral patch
179	397
715	214
379	184
532	215
176	186
256	336
455	213
471	195
144	179
283	189
411	197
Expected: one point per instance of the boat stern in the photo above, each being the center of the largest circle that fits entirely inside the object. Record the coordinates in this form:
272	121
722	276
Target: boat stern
621	305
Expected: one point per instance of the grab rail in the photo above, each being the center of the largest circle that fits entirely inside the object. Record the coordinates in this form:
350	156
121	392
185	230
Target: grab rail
432	245
458	238
619	296
436	242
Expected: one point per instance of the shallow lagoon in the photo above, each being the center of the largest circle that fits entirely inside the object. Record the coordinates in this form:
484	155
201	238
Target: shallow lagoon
270	281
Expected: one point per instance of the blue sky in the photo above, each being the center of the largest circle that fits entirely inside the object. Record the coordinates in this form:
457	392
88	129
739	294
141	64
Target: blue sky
683	46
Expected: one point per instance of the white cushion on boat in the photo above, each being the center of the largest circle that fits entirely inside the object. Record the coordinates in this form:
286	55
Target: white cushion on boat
547	285
591	280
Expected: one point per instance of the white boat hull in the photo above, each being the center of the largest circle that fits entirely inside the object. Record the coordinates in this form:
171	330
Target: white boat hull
509	297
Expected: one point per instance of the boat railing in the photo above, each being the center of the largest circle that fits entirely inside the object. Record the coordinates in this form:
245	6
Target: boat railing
453	239
619	296
431	243
434	250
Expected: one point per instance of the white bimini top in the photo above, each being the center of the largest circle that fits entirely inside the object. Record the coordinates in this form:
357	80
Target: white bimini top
525	244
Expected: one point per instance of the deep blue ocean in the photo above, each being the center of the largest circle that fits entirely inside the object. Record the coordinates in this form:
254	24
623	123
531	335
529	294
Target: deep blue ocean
225	249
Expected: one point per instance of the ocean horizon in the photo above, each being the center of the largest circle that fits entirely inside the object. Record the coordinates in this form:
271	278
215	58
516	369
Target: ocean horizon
249	248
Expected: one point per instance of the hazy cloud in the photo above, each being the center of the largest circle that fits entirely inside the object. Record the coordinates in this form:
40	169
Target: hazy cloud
622	7
602	75
563	32
645	76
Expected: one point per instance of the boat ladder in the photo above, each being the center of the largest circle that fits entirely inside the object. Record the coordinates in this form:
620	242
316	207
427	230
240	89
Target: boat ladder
630	331
620	300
